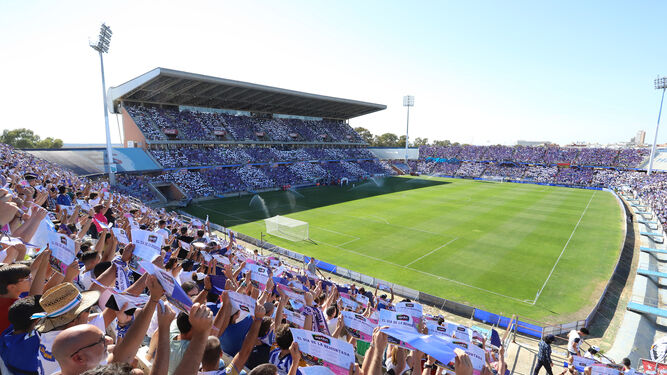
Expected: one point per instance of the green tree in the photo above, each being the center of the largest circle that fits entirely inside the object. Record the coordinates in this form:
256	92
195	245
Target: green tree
365	134
420	142
26	138
445	143
386	140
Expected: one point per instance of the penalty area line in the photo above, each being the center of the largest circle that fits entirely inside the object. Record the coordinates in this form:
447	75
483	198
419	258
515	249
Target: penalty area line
432	251
427	273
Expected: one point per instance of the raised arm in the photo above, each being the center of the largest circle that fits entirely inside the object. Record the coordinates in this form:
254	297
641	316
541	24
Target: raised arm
241	357
201	319
125	351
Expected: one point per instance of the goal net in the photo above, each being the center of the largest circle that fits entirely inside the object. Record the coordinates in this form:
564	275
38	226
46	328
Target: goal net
289	229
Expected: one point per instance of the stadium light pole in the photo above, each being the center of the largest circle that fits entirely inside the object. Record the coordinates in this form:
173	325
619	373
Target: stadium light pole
660	83
408	101
102	47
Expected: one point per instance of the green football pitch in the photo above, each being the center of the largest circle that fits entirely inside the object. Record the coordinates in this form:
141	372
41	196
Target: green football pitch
486	244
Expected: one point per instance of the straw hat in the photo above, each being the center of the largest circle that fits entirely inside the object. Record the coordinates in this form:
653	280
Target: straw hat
62	304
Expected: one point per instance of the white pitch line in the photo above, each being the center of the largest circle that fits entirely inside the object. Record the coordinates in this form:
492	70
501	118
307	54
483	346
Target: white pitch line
427	273
333	231
350	241
431	252
537	296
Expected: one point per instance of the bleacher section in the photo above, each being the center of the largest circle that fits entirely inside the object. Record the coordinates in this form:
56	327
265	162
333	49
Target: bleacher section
169	123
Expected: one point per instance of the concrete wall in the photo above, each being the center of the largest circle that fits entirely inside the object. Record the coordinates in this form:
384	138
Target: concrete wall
131	131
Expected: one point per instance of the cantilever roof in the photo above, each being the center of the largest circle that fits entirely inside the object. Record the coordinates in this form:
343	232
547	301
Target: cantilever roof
173	87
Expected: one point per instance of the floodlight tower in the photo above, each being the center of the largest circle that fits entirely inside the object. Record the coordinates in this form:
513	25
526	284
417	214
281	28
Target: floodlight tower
408	101
660	83
102	47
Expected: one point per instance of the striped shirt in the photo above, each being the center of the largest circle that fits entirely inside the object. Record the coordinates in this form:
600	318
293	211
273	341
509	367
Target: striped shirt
283	364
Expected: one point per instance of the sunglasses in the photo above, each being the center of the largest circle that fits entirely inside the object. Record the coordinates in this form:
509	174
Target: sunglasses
102	340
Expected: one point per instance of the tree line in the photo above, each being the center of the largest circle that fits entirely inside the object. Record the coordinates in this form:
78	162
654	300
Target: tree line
26	138
392	140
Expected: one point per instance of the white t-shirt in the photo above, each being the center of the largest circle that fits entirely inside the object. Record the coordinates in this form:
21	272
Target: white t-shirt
185	276
46	358
573	346
85	278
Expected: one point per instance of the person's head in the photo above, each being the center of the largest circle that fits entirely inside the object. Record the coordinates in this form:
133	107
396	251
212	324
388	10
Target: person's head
20	314
626	362
549	339
265	327
188	265
190	288
161	224
64	307
584	332
331	312
114	369
212	354
201	233
593	350
284	336
264	369
212	297
184	231
98	208
62	189
90	259
14	280
79	348
184	326
100	268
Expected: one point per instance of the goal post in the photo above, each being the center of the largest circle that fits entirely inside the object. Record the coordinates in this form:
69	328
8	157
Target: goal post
287	228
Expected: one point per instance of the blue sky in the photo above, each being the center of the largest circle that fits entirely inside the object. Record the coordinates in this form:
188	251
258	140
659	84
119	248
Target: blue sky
481	71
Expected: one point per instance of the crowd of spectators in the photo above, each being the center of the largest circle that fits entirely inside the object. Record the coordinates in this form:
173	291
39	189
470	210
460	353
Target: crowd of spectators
626	158
202	126
197	155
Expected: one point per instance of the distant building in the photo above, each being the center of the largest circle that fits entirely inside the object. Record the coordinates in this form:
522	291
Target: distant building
639	138
532	143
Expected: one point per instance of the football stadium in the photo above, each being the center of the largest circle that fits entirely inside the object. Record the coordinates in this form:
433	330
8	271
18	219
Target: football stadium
249	228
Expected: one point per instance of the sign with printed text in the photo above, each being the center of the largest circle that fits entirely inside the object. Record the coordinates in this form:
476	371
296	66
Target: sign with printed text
244	303
459	331
258	273
400	322
323	350
295	318
397	320
147	245
291	294
476	354
62	247
358	326
411	308
434	329
172	289
121	235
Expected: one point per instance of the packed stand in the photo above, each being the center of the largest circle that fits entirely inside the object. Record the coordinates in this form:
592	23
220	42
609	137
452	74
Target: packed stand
582	156
505	170
136	186
469	169
200	126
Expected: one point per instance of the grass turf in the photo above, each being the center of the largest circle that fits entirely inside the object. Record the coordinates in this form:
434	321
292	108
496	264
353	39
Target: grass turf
490	245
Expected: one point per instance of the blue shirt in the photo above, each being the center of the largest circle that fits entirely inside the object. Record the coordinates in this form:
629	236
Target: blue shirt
232	339
20	352
63	200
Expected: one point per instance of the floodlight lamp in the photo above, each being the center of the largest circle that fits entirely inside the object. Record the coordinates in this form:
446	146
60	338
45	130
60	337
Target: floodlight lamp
408	101
660	83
